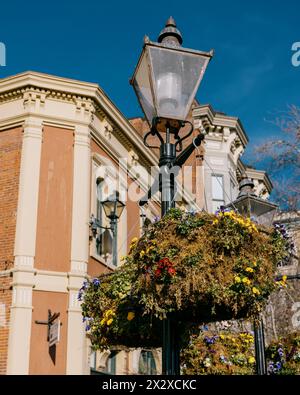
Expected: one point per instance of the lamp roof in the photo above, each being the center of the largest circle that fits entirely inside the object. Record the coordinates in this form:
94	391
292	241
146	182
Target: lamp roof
170	33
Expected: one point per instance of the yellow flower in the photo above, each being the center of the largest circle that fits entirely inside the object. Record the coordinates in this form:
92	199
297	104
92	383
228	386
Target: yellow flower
246	280
108	313
256	291
142	253
123	258
284	278
222	337
130	315
237	279
134	240
254	264
109	322
102	322
215	222
251	360
249	270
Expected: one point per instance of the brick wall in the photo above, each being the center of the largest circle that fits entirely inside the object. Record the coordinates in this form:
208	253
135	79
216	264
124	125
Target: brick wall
10	154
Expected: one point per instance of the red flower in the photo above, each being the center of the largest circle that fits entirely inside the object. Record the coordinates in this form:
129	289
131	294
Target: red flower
157	272
172	271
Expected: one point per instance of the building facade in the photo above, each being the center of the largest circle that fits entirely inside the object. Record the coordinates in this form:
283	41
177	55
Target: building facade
64	147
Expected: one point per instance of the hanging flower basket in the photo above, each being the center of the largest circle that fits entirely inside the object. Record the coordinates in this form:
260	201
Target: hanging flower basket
200	267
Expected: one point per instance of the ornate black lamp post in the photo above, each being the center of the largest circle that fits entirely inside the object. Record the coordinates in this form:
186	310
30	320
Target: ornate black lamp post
113	208
261	211
166	80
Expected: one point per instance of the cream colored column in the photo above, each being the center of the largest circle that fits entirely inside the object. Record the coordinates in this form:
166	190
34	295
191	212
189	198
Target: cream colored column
25	239
77	355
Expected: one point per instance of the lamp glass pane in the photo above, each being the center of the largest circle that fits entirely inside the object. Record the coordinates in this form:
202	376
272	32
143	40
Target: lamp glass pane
119	208
176	77
141	84
257	209
108	207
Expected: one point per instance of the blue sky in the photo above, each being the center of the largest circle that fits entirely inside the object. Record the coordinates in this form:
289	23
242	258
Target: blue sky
251	75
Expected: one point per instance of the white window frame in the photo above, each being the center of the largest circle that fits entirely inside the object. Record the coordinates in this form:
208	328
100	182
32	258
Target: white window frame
217	200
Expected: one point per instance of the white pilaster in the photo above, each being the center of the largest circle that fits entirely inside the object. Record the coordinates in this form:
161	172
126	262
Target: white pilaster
25	239
77	362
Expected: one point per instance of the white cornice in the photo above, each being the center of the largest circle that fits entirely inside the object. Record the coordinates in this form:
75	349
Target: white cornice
219	119
68	89
260	175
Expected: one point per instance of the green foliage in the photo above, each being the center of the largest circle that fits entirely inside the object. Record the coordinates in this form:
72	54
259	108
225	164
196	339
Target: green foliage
201	267
284	355
221	353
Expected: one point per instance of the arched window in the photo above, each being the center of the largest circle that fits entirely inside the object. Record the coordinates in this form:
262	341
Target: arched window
147	363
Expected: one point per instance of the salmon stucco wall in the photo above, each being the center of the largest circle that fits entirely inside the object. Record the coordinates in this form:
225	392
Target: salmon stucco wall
45	360
54	224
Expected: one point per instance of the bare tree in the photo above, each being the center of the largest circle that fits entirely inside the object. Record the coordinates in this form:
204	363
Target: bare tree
281	158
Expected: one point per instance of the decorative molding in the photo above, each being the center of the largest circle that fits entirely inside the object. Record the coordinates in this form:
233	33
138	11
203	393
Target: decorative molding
108	130
82	139
211	118
133	158
51	282
24	261
78	266
33	99
74	303
22	297
216	161
88	97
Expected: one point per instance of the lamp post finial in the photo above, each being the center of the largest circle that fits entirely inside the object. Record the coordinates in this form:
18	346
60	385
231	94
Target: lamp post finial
170	34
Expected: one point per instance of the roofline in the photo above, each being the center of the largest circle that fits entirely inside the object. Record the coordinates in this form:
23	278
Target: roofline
257	174
90	90
225	120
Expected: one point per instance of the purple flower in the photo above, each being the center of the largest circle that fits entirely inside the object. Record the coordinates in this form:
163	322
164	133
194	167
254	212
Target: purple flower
278	365
87	328
96	282
79	297
85	285
280	351
156	218
210	340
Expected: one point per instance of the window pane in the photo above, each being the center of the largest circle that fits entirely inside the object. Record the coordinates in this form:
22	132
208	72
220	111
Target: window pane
217	188
111	363
147	363
93	360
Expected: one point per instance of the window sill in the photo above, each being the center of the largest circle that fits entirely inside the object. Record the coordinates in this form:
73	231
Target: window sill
102	261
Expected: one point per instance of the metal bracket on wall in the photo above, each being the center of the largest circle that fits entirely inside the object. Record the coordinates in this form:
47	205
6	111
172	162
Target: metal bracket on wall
51	319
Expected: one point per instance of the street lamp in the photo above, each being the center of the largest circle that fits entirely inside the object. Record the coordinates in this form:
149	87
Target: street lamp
250	205
165	81
261	211
113	208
